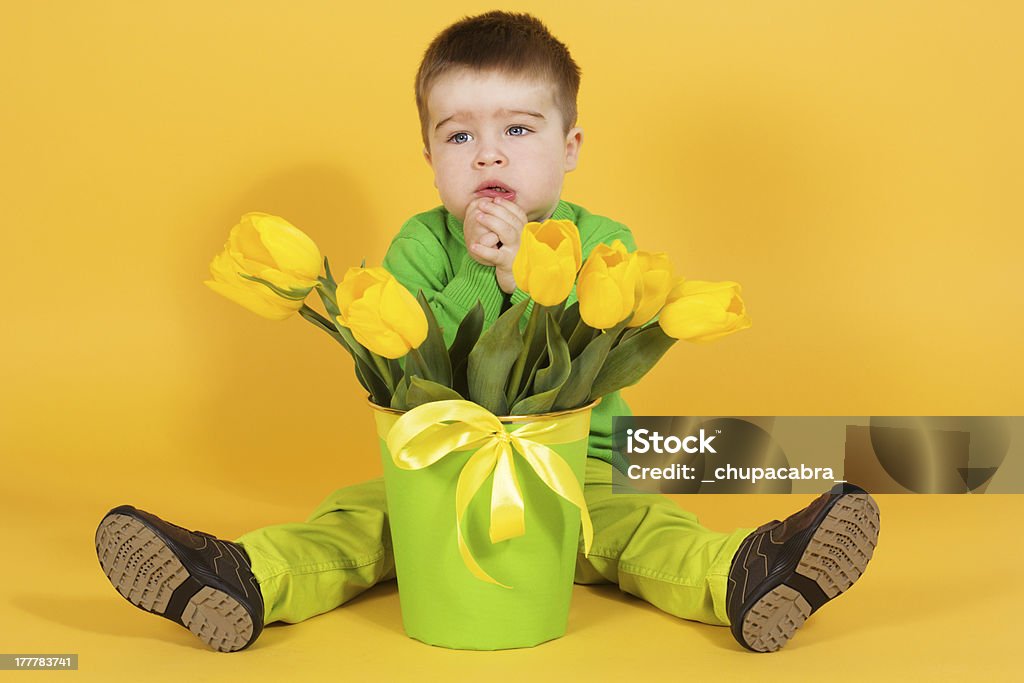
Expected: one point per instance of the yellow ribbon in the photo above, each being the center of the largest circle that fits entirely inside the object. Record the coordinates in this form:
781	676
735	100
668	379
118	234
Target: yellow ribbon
425	434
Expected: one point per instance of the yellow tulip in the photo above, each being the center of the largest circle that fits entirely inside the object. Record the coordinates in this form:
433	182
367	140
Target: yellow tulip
547	261
700	311
607	285
382	314
270	248
655	281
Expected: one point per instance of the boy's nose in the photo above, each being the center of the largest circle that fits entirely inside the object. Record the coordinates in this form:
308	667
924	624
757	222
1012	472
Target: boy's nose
490	156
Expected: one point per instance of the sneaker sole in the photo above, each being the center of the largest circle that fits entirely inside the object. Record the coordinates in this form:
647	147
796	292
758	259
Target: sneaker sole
835	557
145	570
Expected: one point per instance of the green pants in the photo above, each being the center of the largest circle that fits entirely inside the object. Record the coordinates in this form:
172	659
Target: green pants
645	543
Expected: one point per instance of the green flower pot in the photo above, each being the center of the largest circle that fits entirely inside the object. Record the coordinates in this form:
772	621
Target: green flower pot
443	602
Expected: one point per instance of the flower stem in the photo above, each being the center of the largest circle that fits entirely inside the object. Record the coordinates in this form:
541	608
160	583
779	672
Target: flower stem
384	370
315	317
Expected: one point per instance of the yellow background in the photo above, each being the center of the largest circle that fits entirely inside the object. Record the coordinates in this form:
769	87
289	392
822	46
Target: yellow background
855	165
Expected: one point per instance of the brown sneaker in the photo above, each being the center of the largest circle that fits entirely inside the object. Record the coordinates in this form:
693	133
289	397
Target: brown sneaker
785	571
190	577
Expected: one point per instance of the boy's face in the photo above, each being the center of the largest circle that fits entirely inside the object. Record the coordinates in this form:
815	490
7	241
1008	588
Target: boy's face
486	129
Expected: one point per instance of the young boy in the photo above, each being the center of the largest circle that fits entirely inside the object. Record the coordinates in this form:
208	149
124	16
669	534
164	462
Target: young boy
497	102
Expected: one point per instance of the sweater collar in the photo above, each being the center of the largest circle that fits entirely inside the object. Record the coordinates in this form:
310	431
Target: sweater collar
563	211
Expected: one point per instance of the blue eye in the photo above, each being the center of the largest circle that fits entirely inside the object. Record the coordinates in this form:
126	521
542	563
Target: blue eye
523	130
459	138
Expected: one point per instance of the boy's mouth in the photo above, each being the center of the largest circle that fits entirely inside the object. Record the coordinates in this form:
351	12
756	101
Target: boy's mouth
493	189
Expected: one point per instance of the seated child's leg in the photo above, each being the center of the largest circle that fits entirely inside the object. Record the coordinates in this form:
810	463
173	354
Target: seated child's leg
655	550
192	578
308	568
218	589
763	582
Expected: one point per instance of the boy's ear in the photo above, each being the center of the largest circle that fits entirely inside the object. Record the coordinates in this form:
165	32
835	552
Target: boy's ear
573	141
430	163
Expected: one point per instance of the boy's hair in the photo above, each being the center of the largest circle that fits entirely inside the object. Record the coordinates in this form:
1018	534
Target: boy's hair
511	44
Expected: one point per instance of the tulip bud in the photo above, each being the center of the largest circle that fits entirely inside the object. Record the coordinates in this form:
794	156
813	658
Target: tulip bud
548	259
382	315
607	286
700	311
654	283
271	249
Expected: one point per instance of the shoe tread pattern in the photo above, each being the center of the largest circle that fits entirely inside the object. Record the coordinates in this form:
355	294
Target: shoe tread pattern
836	556
773	619
139	565
218	620
842	546
145	571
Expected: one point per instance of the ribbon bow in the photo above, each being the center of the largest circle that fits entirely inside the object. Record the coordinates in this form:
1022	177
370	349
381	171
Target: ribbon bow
427	433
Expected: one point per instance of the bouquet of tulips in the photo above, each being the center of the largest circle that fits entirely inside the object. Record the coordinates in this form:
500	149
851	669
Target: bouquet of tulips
541	355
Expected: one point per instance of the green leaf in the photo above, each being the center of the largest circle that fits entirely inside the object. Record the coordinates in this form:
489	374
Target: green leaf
551	378
359	351
556	312
395	368
424	391
570	319
628	362
534	405
466	336
398	399
323	323
539	346
533	347
581	336
327	291
559	365
526	386
363	382
585	369
379	391
491	360
631	332
290	294
415	365
433	354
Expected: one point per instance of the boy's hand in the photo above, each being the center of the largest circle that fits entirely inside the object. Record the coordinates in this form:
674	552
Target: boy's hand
490	222
475	232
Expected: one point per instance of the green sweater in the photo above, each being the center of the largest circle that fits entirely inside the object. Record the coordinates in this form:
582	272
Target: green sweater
429	254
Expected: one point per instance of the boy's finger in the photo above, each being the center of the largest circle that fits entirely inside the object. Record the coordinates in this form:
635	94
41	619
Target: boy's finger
512	207
488	254
507	233
488	239
508	212
474	206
